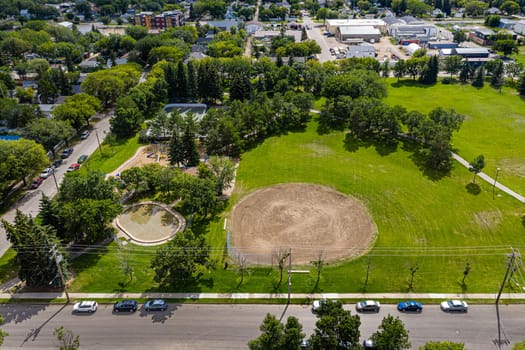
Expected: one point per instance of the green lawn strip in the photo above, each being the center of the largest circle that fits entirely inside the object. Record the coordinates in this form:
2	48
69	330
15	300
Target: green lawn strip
8	267
494	124
114	154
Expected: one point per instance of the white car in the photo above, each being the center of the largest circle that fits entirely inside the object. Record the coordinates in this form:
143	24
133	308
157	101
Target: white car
454	305
317	304
47	172
84	135
88	306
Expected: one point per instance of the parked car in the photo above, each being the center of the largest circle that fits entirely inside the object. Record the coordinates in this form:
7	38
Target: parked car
66	153
156	305
305	344
125	305
368	306
454	305
57	163
410	305
47	172
88	306
84	135
36	183
73	167
82	159
317	304
369	344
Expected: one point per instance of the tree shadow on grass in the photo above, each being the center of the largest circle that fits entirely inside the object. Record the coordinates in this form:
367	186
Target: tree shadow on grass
473	188
410	83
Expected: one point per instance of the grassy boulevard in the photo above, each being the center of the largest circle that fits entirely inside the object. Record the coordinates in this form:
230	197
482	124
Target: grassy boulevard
436	224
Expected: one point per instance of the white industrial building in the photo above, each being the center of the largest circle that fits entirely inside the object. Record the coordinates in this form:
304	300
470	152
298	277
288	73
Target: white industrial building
350	33
333	24
519	27
411	48
410	29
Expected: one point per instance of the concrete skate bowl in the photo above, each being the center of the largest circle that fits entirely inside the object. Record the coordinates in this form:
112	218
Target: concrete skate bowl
310	219
150	223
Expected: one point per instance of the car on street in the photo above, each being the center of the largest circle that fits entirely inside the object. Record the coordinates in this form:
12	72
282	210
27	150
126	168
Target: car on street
84	135
125	305
156	305
66	153
305	344
36	183
82	159
368	306
88	306
57	163
47	172
454	306
73	167
410	306
316	305
369	345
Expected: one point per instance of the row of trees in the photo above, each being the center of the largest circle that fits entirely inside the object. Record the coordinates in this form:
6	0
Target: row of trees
337	329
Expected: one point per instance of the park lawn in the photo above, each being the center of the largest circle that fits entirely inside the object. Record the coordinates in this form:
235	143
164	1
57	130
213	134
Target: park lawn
8	267
435	224
103	270
494	125
114	153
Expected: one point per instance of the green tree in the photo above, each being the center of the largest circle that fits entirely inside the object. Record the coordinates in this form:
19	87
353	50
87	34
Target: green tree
271	337
399	69
492	21
180	264
453	64
521	85
391	335
189	143
430	71
34	244
240	87
507	46
479	77
519	346
477	165
77	109
176	148
293	335
49	132
496	79
475	8
20	159
3	333
444	345
336	328
459	36
223	170
67	339
127	118
510	7
355	83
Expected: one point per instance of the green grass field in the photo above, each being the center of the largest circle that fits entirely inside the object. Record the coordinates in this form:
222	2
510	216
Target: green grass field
436	224
494	125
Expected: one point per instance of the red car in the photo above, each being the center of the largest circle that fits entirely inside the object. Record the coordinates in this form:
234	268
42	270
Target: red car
37	183
73	167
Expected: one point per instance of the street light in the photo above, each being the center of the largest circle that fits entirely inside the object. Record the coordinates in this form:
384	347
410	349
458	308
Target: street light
494	184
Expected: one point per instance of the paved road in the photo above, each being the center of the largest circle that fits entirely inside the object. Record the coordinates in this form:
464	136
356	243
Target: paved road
29	204
315	33
207	326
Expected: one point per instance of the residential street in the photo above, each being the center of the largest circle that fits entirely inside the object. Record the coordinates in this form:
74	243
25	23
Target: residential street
29	204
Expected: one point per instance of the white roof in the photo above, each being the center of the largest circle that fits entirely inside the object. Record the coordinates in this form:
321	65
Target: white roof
366	30
356	22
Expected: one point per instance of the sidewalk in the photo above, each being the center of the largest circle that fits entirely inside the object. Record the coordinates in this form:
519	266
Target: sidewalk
265	296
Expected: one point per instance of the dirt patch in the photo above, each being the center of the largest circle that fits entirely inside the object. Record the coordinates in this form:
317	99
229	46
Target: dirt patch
311	219
144	155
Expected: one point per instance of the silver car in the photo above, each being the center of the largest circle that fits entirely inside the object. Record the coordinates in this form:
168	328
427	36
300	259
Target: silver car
454	305
88	306
368	306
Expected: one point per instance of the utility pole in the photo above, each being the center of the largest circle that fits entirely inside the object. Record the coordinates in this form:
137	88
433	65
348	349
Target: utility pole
98	141
509	266
55	179
494	184
290	275
58	258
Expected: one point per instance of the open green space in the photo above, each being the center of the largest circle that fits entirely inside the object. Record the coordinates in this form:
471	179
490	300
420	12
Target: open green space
436	225
8	267
494	125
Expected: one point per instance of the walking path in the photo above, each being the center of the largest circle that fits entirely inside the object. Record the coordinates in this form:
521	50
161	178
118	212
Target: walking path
264	296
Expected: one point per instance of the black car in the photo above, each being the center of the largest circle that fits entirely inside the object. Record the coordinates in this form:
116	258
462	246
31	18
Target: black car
57	163
125	305
156	305
66	153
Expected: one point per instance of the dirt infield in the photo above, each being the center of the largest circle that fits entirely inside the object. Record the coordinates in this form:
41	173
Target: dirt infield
311	219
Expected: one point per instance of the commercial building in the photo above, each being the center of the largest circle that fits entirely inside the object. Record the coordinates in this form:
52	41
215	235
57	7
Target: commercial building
519	27
361	50
366	33
333	24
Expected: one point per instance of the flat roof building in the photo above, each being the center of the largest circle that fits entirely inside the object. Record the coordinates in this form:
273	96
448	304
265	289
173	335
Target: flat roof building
333	24
367	33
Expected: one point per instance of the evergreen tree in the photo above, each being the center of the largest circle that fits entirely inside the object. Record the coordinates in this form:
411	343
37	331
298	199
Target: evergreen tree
521	85
385	69
496	80
465	72
171	80
192	79
182	81
446	7
176	152
430	71
392	334
215	87
304	36
240	87
189	144
35	246
479	77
